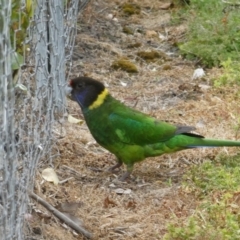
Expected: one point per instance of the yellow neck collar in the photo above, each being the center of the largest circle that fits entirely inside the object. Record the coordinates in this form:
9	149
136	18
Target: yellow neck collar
100	99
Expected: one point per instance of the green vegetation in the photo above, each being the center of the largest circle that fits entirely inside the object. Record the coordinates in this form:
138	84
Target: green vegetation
152	56
217	185
129	9
214	33
124	64
128	30
20	20
231	74
213	37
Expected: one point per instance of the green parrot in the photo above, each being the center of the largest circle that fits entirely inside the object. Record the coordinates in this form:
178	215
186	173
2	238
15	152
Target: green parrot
129	134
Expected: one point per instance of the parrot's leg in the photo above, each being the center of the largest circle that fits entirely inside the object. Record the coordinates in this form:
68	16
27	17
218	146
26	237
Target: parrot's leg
113	168
127	173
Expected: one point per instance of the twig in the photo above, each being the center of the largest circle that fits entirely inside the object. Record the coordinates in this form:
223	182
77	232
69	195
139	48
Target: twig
73	171
61	216
65	180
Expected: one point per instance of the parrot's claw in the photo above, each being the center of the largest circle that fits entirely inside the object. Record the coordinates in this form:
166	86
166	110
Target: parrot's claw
113	168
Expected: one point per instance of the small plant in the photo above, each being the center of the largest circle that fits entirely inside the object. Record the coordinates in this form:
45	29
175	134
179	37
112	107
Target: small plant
231	74
124	64
20	21
215	221
152	56
217	217
213	35
128	30
130	8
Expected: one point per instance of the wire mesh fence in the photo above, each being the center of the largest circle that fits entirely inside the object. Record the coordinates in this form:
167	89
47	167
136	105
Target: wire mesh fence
36	42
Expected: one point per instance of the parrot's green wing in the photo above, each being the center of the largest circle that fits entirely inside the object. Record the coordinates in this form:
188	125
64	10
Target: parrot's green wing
133	127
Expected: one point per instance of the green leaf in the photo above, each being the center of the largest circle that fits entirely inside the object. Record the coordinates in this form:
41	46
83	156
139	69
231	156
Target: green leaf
17	60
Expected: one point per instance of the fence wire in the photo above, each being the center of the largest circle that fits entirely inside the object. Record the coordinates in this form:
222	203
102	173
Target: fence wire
36	42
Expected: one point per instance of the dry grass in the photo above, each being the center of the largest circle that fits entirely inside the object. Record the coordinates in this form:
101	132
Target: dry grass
154	197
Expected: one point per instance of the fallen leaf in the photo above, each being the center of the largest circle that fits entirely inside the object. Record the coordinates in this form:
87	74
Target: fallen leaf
151	33
28	217
123	84
131	204
108	202
22	87
122	191
50	175
166	6
74	120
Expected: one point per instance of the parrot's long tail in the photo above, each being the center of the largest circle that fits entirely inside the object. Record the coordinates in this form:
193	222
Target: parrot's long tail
214	143
188	141
196	142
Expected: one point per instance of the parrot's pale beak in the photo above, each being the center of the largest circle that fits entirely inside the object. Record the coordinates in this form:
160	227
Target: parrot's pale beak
68	91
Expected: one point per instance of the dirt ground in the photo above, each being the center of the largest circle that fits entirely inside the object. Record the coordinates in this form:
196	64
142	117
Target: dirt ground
142	207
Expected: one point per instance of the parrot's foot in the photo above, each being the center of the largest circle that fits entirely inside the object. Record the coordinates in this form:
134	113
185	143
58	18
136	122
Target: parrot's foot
124	176
113	168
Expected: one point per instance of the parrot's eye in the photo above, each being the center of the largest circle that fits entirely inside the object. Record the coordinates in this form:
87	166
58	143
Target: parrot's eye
80	85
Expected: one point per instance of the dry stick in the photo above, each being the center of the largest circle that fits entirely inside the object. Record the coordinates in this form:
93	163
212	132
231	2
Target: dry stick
61	216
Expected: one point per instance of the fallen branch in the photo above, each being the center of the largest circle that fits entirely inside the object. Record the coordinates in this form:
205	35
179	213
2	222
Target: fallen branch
61	216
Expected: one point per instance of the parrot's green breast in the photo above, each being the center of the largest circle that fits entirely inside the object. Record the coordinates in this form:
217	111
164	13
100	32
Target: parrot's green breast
130	135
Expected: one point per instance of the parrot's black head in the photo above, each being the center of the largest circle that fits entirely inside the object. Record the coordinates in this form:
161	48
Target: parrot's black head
88	92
